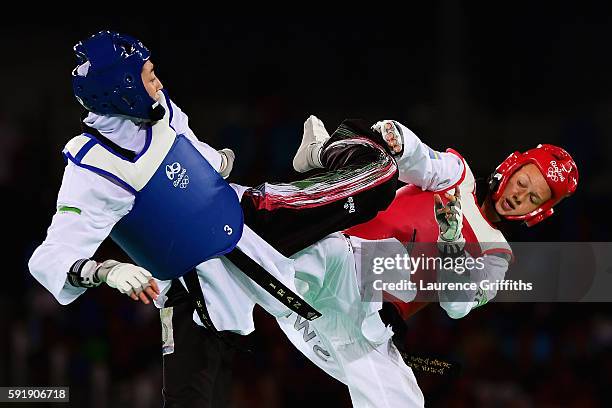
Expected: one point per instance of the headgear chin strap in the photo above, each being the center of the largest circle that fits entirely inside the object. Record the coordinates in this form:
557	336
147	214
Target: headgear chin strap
108	80
557	167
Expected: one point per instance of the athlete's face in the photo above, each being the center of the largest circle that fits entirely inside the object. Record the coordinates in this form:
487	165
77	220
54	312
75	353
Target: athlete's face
151	83
525	191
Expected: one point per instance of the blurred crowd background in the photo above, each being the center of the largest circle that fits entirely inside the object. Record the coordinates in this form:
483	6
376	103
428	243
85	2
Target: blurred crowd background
483	81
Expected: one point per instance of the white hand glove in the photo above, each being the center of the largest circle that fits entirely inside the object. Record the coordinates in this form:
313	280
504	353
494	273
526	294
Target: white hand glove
227	162
450	221
127	278
391	133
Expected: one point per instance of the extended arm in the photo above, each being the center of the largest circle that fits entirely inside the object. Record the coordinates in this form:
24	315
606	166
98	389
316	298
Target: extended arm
88	207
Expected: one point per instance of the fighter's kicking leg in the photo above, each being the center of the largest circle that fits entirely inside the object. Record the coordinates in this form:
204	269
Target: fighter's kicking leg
359	181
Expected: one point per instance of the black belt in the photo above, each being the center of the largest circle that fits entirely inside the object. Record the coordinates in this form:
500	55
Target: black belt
197	299
272	285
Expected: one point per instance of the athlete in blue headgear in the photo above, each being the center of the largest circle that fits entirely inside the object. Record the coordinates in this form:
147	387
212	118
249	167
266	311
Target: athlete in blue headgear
139	174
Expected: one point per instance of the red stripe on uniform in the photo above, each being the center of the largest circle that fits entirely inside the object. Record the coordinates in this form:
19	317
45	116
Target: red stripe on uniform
336	190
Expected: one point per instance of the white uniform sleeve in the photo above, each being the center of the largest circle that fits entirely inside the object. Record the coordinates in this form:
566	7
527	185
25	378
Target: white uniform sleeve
180	122
422	166
459	303
95	205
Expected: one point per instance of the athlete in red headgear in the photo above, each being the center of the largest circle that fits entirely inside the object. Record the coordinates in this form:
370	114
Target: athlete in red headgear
439	206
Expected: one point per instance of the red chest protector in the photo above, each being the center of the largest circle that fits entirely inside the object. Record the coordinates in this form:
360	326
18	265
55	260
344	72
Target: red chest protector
410	217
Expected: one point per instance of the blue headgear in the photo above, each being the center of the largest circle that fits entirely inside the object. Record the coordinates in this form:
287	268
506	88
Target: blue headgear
112	83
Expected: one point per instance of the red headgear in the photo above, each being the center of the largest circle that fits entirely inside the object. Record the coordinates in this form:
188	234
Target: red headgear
557	167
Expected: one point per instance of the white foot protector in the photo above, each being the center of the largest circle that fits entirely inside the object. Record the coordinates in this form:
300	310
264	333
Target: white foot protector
307	156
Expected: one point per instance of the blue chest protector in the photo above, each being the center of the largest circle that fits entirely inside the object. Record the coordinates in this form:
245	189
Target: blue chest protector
184	212
185	215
